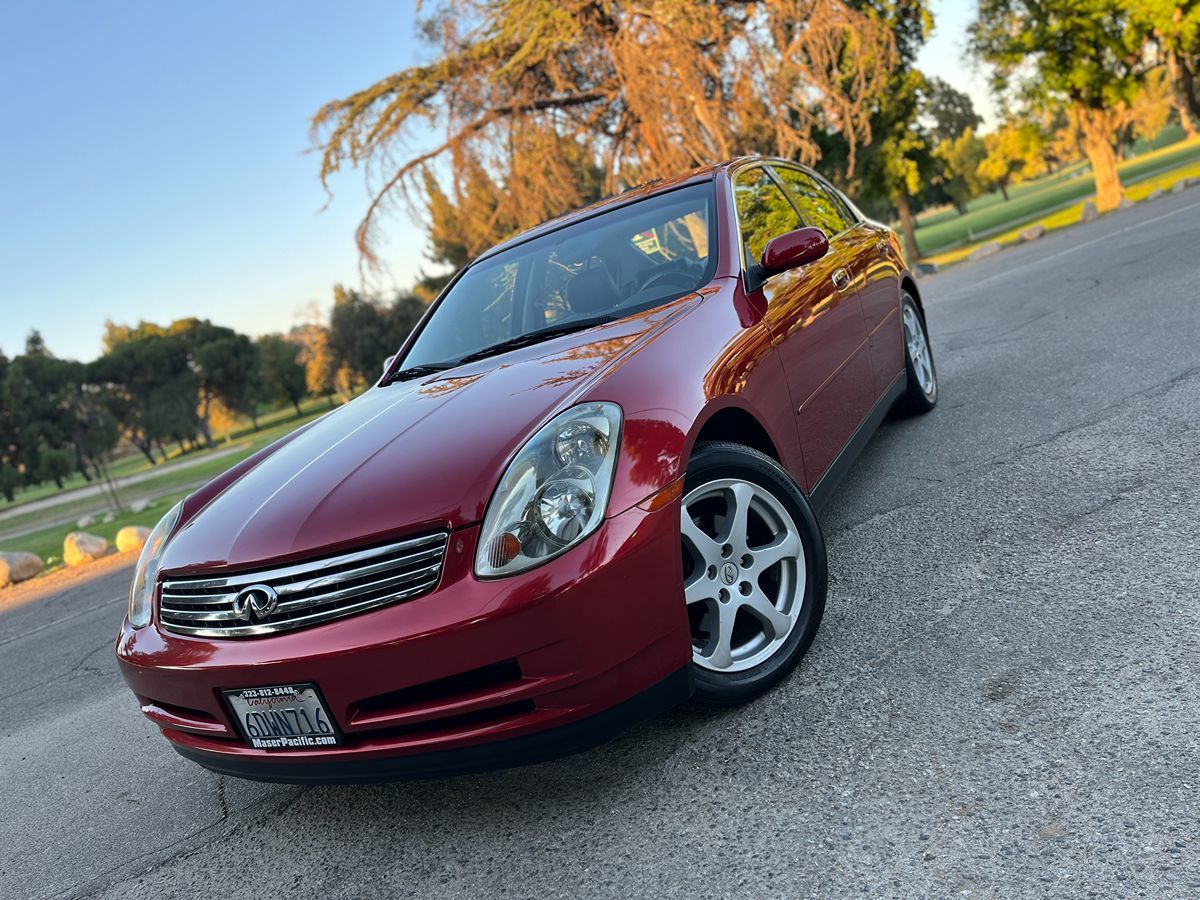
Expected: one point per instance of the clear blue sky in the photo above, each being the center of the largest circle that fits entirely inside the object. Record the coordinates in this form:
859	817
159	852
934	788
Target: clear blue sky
154	158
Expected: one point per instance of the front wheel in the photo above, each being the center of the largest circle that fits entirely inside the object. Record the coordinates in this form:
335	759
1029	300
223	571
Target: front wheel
753	572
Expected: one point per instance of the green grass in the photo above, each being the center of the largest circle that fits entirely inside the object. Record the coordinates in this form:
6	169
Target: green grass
135	463
48	543
1070	215
944	230
172	484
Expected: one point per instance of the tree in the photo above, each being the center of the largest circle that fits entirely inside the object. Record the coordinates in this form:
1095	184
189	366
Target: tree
1151	107
890	171
316	357
1175	25
1088	54
949	112
282	372
1014	153
961	159
522	90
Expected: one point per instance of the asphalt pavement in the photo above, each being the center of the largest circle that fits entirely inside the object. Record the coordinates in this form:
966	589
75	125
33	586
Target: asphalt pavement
1003	700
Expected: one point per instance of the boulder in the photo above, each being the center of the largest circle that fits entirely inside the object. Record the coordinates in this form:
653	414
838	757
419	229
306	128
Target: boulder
138	505
1090	213
926	268
81	547
18	566
85	522
1181	185
131	537
1032	233
1126	203
985	250
1156	193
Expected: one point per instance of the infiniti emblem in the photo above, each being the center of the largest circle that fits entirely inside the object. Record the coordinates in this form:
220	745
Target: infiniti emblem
255	602
729	573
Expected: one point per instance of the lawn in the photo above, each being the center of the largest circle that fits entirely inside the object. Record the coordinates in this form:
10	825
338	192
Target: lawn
136	463
165	489
944	230
1070	215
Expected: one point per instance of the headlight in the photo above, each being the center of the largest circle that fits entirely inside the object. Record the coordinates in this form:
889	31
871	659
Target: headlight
554	493
141	592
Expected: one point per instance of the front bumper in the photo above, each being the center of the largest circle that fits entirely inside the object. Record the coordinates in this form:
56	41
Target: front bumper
476	675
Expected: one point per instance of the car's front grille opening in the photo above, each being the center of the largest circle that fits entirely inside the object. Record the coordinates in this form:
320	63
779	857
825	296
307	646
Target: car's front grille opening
282	598
473	681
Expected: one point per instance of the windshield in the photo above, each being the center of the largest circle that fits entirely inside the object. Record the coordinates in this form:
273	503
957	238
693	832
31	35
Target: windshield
599	269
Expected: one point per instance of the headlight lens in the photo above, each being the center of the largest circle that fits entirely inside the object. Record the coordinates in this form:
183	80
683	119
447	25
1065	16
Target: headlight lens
554	493
141	592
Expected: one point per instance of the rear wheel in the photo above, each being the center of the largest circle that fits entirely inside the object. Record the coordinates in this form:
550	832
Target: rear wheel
922	393
753	571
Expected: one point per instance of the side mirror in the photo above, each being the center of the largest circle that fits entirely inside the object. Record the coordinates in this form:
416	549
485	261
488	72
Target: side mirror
795	248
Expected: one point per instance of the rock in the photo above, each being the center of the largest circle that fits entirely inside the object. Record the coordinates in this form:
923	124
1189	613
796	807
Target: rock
138	505
108	517
1090	213
926	268
131	537
1126	203
18	566
85	522
985	250
1181	185
1156	193
1032	233
81	547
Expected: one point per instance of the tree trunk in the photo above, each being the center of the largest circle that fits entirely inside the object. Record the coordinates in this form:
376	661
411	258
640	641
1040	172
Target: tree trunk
254	420
1187	80
1097	126
907	226
296	404
147	451
1179	94
1004	191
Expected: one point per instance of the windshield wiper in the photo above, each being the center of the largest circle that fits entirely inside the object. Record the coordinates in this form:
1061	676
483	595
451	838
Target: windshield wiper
418	372
535	337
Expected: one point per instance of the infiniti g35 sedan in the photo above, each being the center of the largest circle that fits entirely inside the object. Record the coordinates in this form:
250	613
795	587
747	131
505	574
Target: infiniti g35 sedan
583	491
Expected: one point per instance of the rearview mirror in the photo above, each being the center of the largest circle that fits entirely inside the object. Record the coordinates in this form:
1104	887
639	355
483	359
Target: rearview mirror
794	248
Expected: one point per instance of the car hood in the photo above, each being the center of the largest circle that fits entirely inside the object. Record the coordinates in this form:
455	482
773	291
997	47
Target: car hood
404	458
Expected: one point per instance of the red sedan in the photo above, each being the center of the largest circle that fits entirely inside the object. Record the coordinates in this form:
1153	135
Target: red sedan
582	492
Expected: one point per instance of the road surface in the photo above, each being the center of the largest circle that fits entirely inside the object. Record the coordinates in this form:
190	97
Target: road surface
1004	698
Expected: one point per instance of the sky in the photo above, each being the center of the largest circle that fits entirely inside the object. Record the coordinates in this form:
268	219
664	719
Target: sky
155	159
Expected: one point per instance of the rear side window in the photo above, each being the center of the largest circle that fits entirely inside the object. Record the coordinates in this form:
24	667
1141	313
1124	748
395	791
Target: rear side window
818	205
763	211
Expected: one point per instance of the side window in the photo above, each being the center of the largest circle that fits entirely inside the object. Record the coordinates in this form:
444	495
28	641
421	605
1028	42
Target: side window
818	205
763	211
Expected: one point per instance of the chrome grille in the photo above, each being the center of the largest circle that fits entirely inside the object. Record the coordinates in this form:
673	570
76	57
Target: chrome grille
307	593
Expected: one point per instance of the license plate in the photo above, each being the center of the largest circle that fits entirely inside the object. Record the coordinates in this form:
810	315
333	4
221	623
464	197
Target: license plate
284	717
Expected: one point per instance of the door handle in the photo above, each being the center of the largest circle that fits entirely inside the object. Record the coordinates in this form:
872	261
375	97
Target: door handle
841	279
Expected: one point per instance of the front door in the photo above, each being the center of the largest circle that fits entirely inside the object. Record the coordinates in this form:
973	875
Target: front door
816	324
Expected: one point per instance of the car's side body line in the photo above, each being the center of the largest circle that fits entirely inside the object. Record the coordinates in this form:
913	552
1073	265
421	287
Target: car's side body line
841	464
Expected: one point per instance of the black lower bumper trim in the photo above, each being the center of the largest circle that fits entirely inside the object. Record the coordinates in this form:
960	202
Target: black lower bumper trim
530	748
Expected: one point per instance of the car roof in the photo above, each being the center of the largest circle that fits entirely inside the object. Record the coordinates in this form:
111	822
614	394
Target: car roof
650	188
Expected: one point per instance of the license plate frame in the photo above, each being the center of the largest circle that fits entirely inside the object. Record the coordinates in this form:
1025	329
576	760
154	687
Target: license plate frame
282	717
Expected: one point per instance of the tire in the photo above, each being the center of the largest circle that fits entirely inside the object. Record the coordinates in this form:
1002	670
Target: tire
727	599
921	394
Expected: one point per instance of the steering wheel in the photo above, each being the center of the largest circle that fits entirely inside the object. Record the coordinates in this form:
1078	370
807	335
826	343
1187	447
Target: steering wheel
682	279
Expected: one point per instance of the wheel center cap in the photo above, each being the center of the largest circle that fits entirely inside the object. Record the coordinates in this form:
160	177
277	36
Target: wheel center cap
729	573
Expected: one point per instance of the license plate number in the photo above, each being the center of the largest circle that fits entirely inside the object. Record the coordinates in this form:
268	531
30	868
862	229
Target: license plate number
283	717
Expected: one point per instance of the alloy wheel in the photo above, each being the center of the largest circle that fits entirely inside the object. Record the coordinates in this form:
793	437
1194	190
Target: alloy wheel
744	573
918	351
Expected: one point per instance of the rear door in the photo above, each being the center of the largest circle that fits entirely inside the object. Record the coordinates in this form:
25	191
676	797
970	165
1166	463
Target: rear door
816	324
875	266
